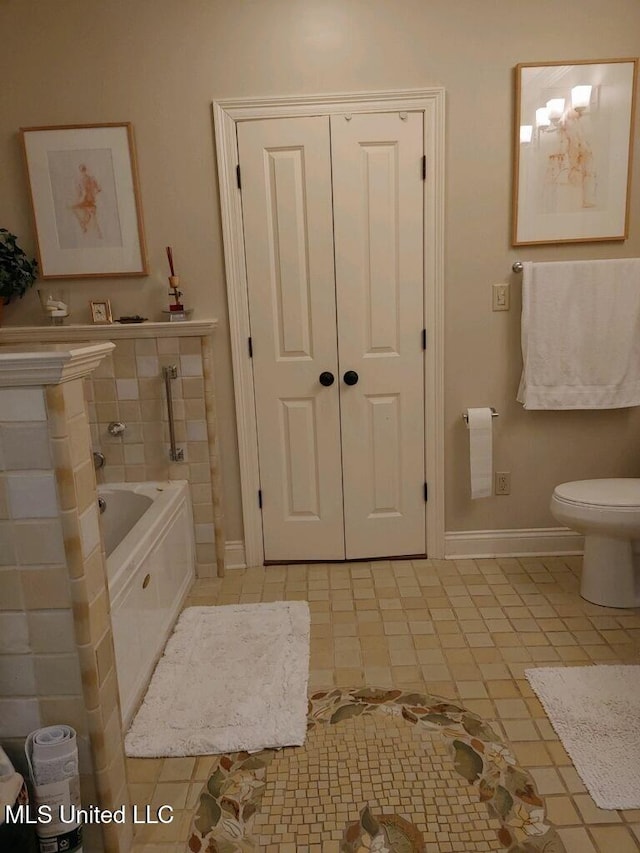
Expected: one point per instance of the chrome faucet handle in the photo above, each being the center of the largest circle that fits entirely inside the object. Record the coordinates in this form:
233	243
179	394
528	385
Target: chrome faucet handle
116	428
98	459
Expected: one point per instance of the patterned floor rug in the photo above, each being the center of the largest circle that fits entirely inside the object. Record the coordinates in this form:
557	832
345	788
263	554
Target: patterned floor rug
381	770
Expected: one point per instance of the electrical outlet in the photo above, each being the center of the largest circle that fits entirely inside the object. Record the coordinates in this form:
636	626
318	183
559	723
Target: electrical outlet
503	483
501	297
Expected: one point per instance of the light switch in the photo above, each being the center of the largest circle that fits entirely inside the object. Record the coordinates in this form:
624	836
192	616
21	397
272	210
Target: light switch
501	297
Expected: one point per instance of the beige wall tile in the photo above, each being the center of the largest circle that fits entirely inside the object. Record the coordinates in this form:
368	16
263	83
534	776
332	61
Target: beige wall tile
198	451
146	346
85	485
129	412
74	397
109	696
104	656
17	675
104	391
39	542
106	412
168	345
4	507
58	674
25	446
32	494
53	709
89	677
124	367
190	346
90	535
72	541
194	410
10	587
14	633
19	717
51	631
193	388
7	544
79	440
45	588
22	404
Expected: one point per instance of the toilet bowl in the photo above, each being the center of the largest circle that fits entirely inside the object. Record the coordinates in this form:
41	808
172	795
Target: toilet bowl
607	512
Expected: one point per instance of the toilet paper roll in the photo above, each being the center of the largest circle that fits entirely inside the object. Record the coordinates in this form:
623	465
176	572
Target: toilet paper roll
52	757
480	426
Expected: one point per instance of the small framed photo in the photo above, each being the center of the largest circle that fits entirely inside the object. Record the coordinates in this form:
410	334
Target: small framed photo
86	200
101	312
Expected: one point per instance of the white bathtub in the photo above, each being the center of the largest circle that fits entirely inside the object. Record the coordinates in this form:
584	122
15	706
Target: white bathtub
149	540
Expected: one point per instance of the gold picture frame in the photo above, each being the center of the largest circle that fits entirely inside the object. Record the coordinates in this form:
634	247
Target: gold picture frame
101	312
86	200
573	143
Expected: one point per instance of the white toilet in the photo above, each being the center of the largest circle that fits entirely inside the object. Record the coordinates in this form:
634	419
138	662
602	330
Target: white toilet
607	512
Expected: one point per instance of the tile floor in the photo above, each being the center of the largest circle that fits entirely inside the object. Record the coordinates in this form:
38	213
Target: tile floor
463	629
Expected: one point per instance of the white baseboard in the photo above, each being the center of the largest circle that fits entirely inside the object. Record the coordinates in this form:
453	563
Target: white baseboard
534	542
234	557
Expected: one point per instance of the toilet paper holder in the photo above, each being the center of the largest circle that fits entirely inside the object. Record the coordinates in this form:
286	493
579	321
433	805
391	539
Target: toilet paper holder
494	414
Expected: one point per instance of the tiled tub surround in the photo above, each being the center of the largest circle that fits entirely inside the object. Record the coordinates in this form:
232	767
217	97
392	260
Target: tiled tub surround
128	386
56	649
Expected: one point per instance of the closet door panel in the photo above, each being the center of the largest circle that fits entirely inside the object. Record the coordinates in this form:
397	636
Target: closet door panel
378	218
288	223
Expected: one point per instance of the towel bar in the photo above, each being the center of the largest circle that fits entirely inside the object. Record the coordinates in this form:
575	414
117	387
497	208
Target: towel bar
516	266
494	414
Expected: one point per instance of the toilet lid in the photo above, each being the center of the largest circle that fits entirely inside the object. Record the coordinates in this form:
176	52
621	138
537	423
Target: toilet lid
624	491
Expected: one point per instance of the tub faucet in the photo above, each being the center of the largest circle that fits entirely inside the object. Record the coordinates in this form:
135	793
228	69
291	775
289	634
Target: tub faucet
102	505
98	459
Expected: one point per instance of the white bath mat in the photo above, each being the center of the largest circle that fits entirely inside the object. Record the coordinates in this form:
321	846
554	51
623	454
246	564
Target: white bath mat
231	678
596	712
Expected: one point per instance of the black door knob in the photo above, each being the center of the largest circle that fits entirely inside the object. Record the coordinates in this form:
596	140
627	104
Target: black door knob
326	378
350	377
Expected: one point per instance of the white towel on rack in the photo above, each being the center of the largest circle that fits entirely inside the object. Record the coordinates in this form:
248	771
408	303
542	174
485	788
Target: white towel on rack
581	335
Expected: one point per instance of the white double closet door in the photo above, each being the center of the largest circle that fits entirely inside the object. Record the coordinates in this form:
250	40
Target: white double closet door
333	232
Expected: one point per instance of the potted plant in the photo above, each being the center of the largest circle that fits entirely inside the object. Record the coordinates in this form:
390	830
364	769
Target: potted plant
17	272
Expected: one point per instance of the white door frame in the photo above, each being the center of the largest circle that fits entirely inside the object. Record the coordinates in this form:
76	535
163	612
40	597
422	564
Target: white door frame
225	115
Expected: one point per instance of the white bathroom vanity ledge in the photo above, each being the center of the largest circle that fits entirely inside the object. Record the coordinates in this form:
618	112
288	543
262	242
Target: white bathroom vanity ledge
106	332
49	363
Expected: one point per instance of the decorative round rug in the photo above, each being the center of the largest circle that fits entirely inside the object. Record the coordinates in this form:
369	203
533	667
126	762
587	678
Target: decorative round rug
381	770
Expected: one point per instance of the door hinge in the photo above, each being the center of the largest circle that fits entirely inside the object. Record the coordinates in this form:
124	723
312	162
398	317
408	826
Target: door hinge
250	342
260	498
424	339
426	491
238	177
424	167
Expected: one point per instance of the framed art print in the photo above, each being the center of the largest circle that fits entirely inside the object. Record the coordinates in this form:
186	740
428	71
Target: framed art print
572	150
85	197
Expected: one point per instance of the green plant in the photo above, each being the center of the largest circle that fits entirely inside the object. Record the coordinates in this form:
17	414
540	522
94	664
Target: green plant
17	272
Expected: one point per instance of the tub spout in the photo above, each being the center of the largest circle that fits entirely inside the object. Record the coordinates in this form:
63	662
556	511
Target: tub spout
102	505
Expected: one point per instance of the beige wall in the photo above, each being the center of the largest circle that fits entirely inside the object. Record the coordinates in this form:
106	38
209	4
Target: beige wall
160	64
